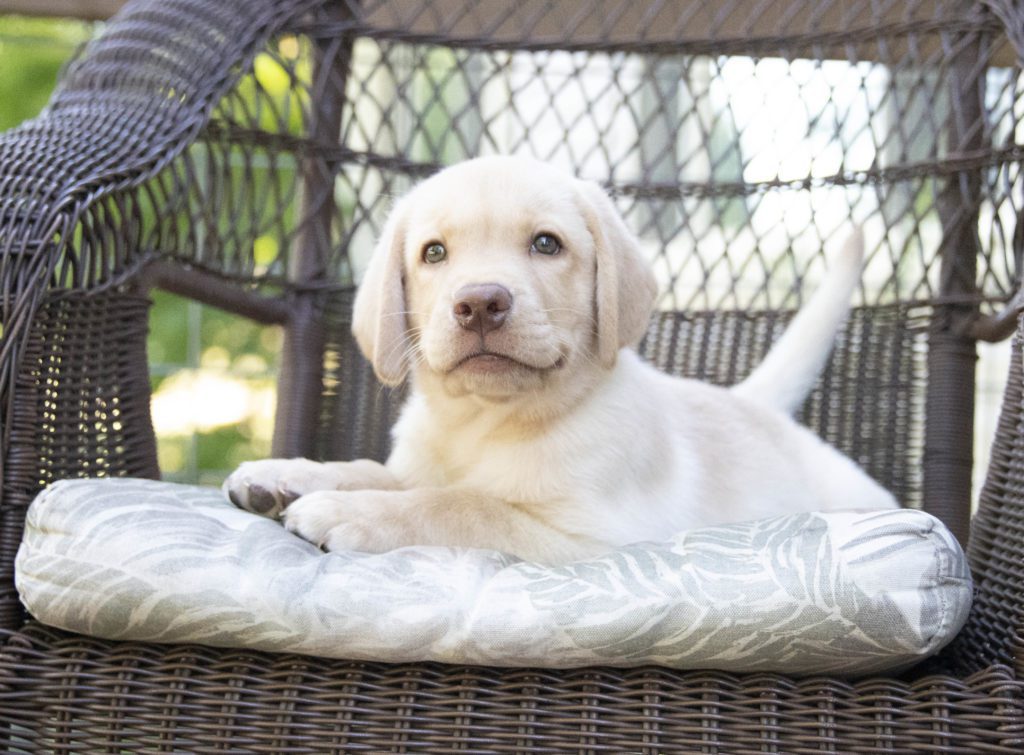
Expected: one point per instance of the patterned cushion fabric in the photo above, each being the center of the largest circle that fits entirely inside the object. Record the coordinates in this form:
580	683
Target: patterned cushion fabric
848	593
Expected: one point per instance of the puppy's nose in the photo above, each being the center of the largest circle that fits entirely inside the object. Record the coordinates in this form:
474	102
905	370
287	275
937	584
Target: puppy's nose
482	307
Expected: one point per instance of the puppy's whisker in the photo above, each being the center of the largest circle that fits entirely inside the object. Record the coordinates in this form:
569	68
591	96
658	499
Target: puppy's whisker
401	342
565	347
403	312
413	353
564	309
588	317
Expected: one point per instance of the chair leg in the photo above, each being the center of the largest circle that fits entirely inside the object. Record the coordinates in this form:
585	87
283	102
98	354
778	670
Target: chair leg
949	433
301	380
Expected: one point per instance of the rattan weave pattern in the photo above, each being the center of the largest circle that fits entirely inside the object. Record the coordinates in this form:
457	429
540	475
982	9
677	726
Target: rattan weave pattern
68	693
246	153
606	111
82	409
996	629
411	105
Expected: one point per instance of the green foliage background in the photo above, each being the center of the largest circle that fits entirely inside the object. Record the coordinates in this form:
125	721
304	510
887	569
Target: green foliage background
32	52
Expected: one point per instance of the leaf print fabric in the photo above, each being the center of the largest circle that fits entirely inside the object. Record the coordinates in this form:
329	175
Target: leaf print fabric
847	593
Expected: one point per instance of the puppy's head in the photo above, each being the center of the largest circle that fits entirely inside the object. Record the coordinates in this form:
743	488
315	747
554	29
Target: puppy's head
499	276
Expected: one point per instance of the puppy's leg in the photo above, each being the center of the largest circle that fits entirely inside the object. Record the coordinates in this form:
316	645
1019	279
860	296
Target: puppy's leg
379	520
266	487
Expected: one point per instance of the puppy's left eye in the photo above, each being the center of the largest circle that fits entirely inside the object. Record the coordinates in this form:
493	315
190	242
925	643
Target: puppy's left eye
545	243
434	253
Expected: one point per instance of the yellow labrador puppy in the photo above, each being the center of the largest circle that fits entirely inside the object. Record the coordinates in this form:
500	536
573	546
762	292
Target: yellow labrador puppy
510	294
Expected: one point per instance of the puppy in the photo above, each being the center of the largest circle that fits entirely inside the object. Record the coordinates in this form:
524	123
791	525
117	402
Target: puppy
510	295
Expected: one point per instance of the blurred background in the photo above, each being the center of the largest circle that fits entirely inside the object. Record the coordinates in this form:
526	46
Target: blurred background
213	374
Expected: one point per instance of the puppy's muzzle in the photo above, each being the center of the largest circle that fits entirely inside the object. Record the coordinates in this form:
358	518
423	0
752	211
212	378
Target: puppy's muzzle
482	307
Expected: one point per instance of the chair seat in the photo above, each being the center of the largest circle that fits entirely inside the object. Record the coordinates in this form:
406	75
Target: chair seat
63	691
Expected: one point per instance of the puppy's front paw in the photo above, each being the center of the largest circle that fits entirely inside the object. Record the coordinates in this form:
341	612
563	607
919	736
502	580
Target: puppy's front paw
266	487
342	520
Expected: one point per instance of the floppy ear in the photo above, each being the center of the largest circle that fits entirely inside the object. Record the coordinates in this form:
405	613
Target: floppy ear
625	286
379	320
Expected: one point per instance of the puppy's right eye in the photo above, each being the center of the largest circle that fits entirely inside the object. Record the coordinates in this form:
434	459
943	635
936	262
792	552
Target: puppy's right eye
433	253
546	244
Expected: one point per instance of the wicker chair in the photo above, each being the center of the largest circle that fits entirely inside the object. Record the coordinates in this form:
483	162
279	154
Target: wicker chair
191	129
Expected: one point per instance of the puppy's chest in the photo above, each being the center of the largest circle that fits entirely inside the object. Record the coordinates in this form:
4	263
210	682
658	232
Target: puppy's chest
535	470
529	470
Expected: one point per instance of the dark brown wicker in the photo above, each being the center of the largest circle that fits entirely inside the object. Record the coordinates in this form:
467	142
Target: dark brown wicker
191	128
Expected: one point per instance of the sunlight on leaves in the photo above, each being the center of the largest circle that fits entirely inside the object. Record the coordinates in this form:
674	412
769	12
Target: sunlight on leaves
271	75
192	401
264	251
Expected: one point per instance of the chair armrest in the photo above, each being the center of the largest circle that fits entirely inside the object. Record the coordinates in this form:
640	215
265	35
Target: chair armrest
132	101
995	630
81	188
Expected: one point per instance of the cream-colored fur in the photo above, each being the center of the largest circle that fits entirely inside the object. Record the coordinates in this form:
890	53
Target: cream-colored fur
559	443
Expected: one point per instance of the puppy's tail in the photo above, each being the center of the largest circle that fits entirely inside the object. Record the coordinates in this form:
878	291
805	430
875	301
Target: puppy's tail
787	373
